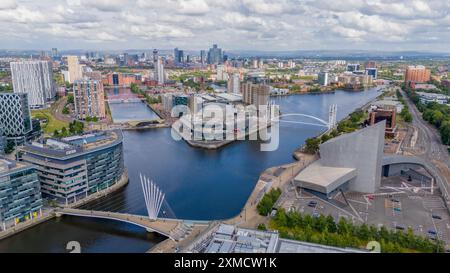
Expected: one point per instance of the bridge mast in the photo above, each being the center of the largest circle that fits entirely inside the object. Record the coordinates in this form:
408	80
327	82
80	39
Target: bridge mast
153	196
332	116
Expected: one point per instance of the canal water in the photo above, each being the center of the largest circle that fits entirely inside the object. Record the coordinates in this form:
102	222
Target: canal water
198	184
131	111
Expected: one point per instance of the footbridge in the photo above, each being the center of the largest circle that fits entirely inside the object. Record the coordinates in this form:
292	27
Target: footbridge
174	229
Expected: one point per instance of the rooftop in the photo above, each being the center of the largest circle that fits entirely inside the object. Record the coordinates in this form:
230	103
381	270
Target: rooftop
8	165
323	178
74	145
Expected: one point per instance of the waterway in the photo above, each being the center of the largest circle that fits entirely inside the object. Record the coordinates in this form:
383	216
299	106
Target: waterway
131	111
199	184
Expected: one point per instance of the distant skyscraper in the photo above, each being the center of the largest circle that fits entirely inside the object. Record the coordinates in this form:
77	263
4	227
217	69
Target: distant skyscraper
323	78
215	55
159	70
178	56
203	56
15	117
54	52
234	83
89	98
34	78
255	63
75	71
155	55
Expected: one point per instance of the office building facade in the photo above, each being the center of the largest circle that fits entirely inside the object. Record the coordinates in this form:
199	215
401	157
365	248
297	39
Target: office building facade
89	99
15	117
75	70
34	78
234	83
215	55
75	167
20	193
323	78
417	73
159	75
255	94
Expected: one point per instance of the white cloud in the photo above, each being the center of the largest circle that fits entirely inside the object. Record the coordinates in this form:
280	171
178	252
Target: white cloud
233	24
8	4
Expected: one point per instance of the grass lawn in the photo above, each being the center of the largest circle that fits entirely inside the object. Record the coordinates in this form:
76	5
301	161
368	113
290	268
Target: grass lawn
52	124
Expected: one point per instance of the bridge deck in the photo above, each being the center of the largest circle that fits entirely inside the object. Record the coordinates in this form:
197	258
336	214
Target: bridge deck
166	227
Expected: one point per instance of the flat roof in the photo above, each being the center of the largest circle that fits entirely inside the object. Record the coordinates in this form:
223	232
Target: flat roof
230	97
291	246
324	178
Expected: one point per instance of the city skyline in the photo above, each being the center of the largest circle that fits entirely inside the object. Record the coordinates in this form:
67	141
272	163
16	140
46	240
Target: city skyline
234	25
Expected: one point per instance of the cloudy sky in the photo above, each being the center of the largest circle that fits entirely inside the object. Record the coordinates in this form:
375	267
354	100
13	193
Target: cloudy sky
389	25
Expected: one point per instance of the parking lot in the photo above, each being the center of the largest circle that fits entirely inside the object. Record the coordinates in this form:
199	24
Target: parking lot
399	204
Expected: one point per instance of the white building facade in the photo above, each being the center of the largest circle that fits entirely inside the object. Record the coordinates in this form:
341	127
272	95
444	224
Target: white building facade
34	78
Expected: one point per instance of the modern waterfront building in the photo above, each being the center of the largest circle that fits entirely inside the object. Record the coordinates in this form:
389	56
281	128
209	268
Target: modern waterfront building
417	74
372	72
20	193
89	99
348	162
15	117
255	94
75	167
2	142
215	55
323	78
159	75
431	97
234	83
34	78
123	79
353	67
75	69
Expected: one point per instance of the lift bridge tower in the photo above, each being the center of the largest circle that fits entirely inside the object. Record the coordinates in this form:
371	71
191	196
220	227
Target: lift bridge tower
332	116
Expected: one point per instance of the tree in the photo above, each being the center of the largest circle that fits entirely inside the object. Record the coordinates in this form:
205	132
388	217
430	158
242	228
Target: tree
325	138
262	227
312	145
444	130
65	110
70	98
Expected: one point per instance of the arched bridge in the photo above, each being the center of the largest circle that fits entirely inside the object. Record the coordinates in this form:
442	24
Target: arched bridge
318	121
172	228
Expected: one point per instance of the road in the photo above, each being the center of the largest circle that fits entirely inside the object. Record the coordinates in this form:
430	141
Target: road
57	110
428	137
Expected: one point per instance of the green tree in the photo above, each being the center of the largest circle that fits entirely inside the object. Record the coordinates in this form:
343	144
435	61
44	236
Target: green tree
70	98
444	130
312	145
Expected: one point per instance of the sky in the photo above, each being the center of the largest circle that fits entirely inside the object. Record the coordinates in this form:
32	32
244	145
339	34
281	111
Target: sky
266	25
